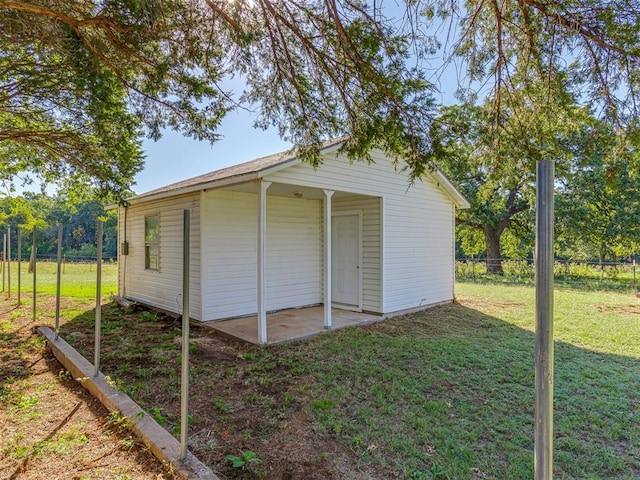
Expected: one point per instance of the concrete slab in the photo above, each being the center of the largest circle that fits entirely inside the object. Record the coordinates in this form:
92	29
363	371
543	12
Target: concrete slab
160	442
290	325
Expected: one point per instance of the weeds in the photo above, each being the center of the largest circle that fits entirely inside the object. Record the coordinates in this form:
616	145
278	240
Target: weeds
247	460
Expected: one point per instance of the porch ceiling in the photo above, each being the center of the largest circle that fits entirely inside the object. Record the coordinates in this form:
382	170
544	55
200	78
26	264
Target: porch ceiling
288	190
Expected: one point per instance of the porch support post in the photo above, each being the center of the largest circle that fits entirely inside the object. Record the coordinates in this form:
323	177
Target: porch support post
262	244
327	258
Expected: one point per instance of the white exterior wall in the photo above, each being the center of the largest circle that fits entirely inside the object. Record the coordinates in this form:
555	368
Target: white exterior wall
417	238
293	253
161	288
371	241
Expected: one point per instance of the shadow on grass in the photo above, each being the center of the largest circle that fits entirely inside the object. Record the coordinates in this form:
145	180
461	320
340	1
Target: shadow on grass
443	394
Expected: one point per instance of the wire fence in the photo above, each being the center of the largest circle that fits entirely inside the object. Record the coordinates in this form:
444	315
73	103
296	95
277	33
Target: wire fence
570	273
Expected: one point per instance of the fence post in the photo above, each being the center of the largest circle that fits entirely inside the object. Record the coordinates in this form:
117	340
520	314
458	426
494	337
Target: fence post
184	390
4	258
543	432
19	240
635	287
9	262
473	268
59	258
34	253
96	362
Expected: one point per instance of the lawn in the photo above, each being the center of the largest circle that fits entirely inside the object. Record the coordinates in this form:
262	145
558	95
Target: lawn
443	394
77	280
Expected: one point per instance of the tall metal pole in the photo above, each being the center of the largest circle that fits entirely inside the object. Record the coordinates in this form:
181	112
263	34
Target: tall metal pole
19	239
34	250
184	391
544	321
59	261
4	259
9	262
96	359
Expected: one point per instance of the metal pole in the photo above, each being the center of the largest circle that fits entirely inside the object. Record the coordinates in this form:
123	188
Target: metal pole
184	391
9	262
4	259
635	288
544	321
96	360
59	260
19	233
34	249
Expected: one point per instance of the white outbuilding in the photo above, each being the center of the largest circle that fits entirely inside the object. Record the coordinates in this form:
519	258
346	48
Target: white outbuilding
275	233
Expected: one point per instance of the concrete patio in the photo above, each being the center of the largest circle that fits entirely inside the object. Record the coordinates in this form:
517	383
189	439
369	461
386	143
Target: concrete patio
290	325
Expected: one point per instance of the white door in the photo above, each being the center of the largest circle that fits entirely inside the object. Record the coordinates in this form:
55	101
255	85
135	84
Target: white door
345	246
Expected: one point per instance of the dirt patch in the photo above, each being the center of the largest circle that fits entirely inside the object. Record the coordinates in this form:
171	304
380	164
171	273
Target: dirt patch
49	425
626	310
244	400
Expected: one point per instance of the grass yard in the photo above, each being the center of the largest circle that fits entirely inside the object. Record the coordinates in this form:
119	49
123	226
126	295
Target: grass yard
77	280
444	394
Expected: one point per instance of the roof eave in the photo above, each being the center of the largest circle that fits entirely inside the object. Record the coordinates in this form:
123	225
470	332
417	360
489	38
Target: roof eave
457	197
223	182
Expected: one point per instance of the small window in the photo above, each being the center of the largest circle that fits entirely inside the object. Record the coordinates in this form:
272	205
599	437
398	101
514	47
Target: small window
151	237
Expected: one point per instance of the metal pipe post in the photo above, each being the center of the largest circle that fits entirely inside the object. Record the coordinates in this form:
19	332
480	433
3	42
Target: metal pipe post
59	261
9	262
544	321
184	391
34	250
98	339
19	255
4	259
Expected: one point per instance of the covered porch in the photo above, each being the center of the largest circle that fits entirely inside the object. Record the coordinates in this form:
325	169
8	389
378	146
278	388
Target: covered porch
313	246
290	325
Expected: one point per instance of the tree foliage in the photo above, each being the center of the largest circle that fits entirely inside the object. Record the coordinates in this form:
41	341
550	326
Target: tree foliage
78	80
598	203
78	216
494	165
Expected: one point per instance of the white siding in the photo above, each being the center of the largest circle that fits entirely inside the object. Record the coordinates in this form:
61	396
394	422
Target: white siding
161	288
370	208
294	255
417	236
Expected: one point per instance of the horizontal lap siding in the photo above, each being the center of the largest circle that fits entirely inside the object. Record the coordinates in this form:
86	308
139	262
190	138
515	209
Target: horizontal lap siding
418	237
293	268
370	208
162	288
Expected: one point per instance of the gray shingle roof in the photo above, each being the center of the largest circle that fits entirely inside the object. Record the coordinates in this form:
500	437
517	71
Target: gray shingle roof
253	166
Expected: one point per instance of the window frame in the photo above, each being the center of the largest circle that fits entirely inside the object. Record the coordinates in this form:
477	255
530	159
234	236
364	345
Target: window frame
151	243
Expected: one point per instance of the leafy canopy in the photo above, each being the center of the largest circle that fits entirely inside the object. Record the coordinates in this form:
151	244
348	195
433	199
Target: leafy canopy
79	81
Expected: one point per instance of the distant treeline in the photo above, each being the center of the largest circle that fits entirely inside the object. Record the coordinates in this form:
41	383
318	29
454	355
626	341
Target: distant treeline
78	217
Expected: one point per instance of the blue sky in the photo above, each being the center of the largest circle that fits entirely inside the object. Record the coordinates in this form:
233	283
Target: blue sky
175	157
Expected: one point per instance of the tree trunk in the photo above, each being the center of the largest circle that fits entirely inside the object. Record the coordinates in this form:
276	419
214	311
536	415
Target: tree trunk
32	260
492	239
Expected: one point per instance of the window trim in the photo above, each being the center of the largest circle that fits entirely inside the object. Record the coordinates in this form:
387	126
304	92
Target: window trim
148	244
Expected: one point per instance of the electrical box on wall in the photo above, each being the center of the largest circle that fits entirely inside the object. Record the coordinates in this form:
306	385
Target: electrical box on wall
124	248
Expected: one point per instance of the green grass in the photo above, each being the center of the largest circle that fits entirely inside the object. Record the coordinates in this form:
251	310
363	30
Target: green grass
443	394
582	276
449	393
77	280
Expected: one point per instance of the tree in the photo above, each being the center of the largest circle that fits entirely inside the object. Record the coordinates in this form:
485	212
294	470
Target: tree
599	202
313	69
76	80
78	216
494	165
